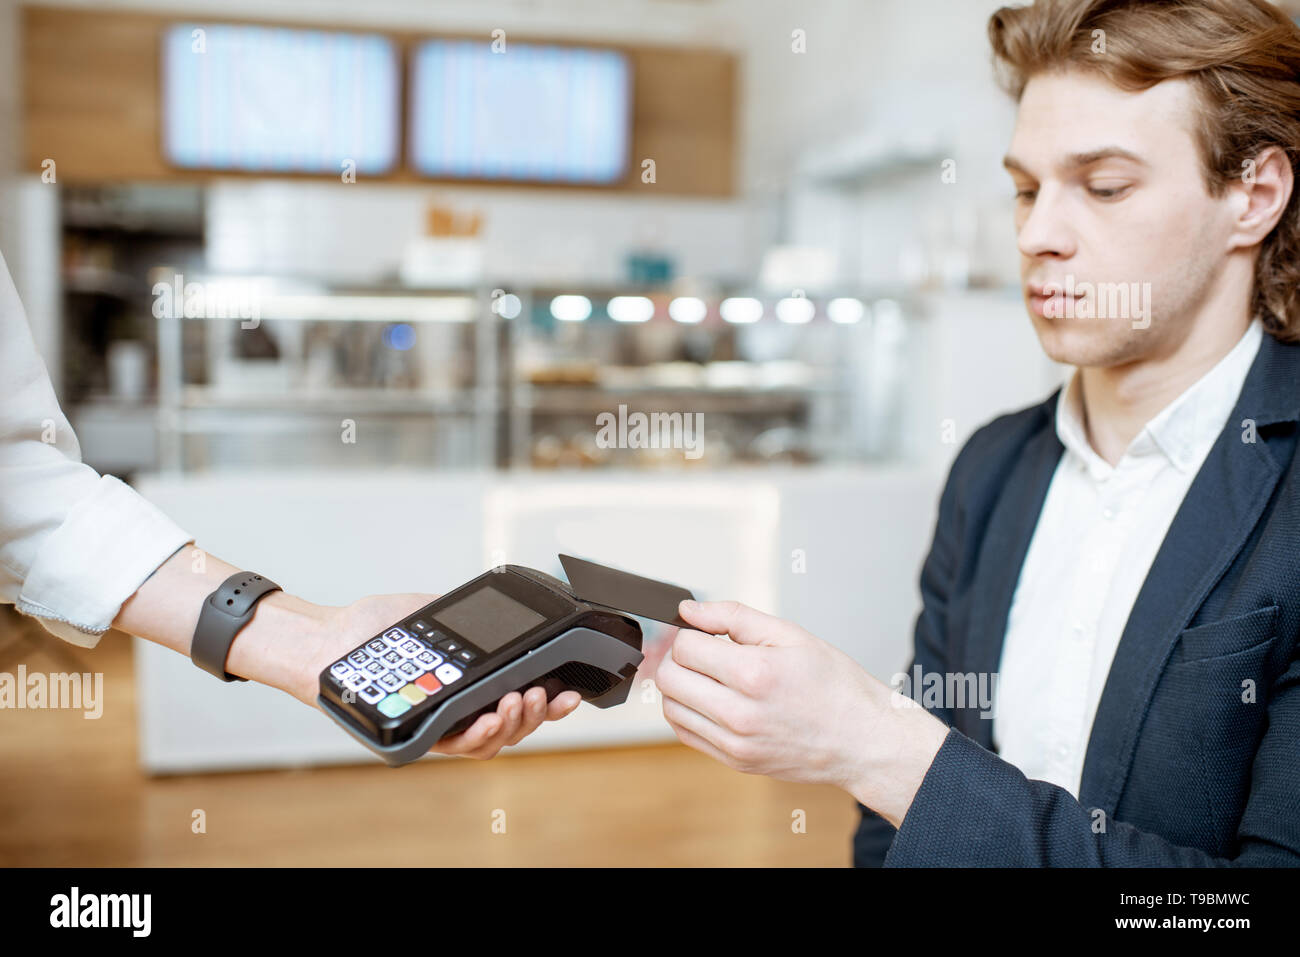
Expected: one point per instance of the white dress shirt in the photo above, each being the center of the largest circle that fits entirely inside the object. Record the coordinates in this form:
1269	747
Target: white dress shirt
1096	537
74	544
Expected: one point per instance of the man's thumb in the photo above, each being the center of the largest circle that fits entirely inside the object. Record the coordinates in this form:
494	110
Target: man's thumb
745	625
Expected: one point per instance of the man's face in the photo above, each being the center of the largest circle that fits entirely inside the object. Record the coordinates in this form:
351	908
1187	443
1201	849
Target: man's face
1111	201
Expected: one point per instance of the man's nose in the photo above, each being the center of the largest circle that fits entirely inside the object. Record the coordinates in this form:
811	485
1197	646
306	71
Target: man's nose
1048	229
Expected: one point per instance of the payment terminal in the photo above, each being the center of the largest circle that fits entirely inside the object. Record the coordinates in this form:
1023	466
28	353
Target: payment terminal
433	673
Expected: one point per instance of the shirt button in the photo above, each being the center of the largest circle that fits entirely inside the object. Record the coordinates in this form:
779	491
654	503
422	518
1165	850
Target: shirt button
1108	512
1062	751
1078	630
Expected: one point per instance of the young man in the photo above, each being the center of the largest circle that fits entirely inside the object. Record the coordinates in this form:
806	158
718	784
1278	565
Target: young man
1124	556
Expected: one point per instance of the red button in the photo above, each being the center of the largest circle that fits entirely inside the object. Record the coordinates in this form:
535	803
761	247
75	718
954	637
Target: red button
428	682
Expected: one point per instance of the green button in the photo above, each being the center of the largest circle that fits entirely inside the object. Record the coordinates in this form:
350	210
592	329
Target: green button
394	705
412	693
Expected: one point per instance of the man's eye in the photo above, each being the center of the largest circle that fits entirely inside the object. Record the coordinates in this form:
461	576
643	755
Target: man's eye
1025	194
1107	192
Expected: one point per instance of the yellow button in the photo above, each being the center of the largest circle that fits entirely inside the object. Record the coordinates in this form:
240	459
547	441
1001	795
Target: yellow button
413	693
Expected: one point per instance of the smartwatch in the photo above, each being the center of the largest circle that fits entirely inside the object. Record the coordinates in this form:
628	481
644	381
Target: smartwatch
224	613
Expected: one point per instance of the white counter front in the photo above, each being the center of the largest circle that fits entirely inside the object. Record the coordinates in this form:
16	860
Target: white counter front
836	549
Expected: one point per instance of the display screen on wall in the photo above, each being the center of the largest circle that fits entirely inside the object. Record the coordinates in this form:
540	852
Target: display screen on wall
530	112
268	99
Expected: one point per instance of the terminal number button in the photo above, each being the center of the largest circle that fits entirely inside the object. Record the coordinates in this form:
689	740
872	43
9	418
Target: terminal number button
447	673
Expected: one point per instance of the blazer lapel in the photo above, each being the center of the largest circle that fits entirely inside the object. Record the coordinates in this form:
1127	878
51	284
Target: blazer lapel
997	570
1222	506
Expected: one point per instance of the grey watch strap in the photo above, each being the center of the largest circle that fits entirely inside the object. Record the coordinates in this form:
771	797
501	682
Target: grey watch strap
224	612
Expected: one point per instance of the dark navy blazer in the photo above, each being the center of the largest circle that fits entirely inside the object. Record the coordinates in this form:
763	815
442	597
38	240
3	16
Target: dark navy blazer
1185	766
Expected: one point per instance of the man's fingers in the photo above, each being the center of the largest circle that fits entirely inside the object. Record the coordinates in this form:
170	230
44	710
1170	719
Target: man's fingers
693	740
723	661
744	624
679	714
695	690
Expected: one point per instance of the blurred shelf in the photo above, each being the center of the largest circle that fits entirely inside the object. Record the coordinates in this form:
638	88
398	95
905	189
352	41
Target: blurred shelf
89	280
141	210
570	400
106	400
454	408
346	400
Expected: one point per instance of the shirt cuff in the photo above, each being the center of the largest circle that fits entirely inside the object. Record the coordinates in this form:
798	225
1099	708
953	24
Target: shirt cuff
109	544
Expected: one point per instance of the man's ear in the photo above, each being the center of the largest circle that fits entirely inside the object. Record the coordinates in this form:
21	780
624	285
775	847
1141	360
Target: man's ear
1261	197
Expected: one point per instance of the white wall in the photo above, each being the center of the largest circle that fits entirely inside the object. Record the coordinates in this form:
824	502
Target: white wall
357	232
887	70
29	238
921	82
982	358
885	67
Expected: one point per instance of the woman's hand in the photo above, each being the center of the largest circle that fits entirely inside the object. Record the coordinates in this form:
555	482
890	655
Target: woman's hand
340	630
289	641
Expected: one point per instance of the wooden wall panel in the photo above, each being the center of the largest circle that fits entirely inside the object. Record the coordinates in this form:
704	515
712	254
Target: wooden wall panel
92	103
685	108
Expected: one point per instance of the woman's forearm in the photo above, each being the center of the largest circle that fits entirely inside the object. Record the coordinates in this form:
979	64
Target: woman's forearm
271	649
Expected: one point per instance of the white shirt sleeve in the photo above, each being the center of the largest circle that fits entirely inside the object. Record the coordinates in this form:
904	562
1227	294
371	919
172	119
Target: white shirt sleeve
74	544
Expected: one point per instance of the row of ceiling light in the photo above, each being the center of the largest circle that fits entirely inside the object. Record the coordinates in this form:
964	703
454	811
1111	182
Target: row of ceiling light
741	310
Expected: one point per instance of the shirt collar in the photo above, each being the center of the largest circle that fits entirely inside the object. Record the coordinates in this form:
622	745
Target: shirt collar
1183	431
